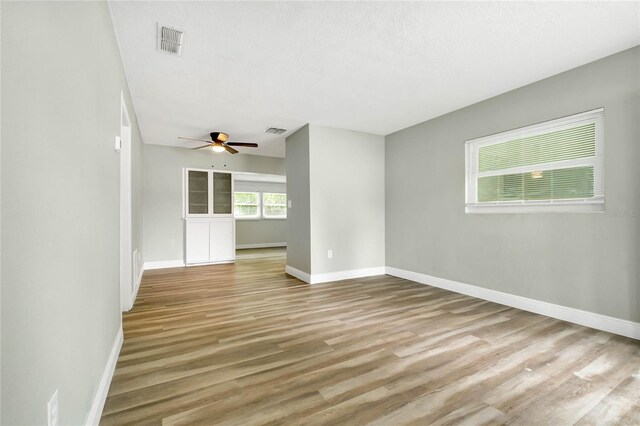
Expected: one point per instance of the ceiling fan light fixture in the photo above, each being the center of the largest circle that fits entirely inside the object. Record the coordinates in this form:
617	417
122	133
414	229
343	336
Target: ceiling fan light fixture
218	148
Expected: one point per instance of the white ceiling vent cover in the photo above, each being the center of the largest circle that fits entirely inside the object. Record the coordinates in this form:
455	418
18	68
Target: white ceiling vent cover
275	130
169	39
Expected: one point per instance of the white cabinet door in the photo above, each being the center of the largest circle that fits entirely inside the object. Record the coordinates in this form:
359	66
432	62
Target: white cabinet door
197	242
207	193
198	193
222	244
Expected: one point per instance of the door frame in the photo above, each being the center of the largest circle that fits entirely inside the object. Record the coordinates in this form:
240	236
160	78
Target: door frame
126	261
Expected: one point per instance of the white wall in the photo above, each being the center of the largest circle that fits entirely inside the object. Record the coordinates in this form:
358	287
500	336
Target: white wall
61	84
347	199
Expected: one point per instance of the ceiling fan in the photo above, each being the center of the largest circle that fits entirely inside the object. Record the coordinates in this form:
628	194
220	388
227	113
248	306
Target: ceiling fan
219	143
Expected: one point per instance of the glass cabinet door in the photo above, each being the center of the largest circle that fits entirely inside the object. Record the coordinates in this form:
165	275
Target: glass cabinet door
198	196
222	195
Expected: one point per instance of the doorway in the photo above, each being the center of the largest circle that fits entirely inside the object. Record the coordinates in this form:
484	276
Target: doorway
260	211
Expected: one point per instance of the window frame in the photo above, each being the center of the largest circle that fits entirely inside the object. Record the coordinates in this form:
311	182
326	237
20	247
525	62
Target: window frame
258	205
269	217
575	205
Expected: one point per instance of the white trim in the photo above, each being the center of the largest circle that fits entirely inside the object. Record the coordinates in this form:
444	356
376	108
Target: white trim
97	405
260	245
127	283
587	206
137	286
588	319
345	275
212	262
161	264
472	174
334	276
298	274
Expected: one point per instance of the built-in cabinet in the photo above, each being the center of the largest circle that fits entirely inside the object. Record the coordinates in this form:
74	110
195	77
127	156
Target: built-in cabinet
208	212
208	193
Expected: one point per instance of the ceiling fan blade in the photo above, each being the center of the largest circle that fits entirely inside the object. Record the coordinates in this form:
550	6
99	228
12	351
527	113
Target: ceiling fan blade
230	150
205	146
197	140
248	144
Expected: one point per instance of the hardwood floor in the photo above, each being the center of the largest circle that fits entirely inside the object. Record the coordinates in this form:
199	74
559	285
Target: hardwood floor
247	344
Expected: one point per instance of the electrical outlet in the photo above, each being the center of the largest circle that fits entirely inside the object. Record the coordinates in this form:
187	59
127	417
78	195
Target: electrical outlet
329	254
52	410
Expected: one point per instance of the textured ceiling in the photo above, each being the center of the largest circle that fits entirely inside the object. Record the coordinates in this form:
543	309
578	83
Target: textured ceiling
375	67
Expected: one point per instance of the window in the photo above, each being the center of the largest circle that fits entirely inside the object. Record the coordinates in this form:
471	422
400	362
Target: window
246	205
274	206
556	166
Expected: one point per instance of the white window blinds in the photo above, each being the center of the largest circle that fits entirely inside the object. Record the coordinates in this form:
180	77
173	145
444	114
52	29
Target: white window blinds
551	166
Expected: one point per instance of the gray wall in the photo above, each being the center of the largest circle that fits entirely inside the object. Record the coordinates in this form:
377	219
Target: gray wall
298	216
61	83
162	188
585	261
260	231
347	199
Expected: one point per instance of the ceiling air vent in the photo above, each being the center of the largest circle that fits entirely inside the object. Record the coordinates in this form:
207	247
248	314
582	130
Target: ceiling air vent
169	39
275	130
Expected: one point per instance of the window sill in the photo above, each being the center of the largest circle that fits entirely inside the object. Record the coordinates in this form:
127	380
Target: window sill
595	207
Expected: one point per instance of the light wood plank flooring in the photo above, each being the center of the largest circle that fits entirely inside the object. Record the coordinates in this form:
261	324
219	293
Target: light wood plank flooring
246	344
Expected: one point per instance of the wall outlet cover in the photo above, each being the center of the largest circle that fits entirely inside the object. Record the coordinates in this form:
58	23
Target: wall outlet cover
329	254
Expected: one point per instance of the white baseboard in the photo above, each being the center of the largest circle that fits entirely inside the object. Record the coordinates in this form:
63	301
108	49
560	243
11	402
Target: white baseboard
334	276
565	313
260	245
345	275
298	274
217	262
97	405
161	264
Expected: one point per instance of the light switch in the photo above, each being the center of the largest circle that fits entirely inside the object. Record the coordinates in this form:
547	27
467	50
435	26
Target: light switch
289	203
